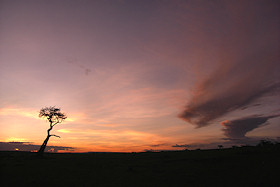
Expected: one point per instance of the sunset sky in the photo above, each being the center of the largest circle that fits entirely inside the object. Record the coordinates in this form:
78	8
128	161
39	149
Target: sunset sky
140	75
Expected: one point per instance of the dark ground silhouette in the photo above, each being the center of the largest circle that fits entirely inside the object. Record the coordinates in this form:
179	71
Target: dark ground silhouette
238	166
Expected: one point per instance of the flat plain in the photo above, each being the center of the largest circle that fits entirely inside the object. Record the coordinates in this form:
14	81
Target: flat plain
239	166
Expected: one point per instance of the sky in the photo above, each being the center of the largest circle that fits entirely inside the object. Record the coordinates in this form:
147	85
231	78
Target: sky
140	75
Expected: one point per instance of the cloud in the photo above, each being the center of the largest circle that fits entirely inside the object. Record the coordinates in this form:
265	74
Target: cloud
27	146
237	129
246	61
183	145
158	145
194	146
232	87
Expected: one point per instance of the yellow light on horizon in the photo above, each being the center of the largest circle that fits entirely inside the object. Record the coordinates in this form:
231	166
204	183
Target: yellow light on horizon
13	139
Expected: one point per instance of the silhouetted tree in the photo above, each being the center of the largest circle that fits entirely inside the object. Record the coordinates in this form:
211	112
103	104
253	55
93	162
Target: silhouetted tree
265	143
220	146
54	117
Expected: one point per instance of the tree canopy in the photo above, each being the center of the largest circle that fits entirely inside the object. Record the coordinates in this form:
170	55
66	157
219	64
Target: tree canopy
52	114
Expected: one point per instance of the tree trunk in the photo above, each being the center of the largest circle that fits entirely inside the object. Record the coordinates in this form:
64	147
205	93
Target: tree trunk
43	146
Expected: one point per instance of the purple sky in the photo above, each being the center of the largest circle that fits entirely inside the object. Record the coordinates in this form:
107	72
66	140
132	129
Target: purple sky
136	75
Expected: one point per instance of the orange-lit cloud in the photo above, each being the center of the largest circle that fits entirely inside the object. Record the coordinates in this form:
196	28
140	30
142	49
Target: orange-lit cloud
225	123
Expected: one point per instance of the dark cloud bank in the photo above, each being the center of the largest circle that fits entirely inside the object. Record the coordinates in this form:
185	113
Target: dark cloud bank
237	129
181	145
27	146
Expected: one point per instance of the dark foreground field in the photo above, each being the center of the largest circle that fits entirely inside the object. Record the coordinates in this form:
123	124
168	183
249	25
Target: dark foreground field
246	166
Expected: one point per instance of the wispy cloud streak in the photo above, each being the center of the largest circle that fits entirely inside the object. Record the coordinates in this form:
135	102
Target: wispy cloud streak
238	82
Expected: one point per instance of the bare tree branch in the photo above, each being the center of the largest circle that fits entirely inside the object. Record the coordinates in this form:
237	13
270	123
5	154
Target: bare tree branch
55	135
55	123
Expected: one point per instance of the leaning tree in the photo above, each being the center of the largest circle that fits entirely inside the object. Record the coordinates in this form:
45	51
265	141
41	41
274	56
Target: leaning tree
54	116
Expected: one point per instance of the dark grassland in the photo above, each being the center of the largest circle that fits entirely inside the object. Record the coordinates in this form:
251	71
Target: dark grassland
244	166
